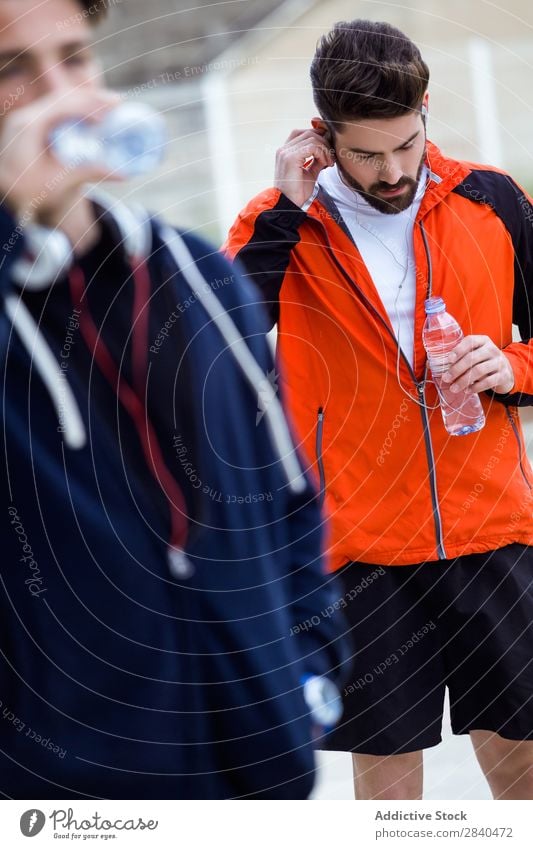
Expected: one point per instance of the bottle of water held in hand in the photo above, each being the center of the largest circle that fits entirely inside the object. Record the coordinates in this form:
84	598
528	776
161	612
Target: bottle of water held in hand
129	140
462	411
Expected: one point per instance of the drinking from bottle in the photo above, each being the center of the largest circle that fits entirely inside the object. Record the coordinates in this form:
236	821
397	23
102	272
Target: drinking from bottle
129	141
462	412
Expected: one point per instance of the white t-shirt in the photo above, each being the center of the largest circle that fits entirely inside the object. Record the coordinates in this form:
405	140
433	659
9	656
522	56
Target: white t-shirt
386	245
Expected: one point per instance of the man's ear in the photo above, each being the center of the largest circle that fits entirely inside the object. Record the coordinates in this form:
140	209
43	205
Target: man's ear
319	124
321	127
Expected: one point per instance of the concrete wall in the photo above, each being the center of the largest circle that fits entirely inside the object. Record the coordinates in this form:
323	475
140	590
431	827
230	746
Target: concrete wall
143	39
273	95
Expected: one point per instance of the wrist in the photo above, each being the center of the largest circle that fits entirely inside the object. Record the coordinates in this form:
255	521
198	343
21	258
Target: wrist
297	197
507	384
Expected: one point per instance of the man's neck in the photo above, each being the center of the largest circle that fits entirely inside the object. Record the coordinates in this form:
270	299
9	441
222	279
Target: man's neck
77	221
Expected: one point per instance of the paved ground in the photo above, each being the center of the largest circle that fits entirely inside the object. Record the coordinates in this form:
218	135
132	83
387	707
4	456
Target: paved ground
451	772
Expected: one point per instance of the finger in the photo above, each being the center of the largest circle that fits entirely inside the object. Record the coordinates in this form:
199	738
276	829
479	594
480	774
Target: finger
321	154
318	151
314	169
306	136
297	156
91	109
295	134
467	344
476	375
489	382
34	123
94	113
469	361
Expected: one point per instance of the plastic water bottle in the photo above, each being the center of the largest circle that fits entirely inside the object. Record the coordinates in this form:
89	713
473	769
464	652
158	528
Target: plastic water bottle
324	701
129	140
462	411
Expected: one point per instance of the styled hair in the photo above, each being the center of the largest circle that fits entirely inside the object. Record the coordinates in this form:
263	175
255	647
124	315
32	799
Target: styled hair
367	69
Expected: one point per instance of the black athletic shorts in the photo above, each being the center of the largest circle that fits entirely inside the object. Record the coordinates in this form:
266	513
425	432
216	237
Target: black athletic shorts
465	624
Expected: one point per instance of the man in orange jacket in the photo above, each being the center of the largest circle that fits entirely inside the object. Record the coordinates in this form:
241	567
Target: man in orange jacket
429	532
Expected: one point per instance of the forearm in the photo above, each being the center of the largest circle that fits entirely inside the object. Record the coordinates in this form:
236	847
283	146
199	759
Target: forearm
262	240
520	356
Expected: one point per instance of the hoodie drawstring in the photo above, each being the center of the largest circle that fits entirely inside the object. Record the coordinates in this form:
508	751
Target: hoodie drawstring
53	377
133	404
273	412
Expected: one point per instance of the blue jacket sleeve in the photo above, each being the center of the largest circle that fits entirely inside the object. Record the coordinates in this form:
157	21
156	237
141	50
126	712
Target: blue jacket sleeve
315	634
11	247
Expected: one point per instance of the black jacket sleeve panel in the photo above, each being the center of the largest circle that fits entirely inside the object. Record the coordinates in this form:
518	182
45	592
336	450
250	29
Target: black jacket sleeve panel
512	205
266	255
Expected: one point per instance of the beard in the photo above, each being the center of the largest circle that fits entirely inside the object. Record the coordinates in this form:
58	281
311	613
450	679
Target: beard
390	206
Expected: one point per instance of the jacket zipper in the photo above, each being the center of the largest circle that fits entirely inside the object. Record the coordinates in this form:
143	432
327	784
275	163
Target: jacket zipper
437	519
432	473
520	448
320	462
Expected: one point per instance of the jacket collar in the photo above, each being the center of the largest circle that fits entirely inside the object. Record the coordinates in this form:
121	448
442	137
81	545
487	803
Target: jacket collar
444	175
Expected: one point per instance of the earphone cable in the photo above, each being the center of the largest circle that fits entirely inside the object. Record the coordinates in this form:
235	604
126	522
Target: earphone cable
398	329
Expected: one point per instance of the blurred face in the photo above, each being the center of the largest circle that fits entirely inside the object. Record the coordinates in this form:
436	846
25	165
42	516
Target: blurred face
382	159
44	49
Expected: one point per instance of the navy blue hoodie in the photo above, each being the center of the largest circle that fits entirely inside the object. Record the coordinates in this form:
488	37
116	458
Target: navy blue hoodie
119	676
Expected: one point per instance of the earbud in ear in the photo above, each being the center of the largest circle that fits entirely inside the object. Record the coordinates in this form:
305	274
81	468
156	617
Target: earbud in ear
424	113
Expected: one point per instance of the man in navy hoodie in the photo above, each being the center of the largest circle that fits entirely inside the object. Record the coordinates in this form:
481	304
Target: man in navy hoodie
162	597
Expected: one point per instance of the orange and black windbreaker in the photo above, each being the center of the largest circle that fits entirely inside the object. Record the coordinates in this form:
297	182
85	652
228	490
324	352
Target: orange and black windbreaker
398	489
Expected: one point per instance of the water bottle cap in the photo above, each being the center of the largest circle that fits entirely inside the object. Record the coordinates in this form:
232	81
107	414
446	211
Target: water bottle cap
434	305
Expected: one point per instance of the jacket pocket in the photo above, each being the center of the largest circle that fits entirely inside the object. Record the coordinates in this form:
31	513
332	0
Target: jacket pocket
521	450
319	459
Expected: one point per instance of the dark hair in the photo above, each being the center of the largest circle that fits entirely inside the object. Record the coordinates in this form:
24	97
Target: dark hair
367	69
96	9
